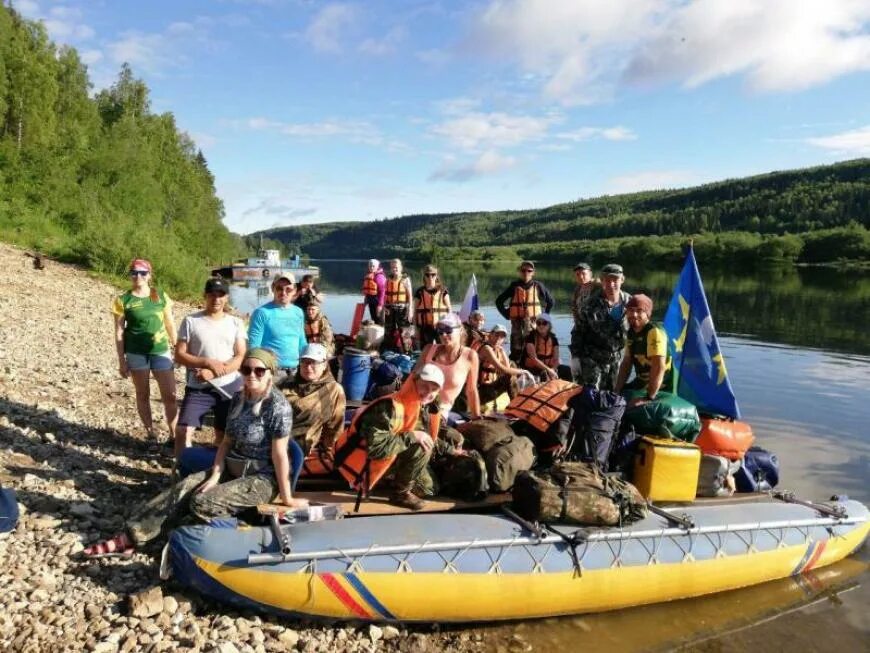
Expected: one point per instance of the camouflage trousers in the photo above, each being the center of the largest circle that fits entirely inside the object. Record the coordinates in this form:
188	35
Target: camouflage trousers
410	470
597	373
181	504
519	330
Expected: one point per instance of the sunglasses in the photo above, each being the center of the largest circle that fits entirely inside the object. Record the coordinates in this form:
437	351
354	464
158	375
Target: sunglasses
138	273
541	322
431	274
444	331
259	372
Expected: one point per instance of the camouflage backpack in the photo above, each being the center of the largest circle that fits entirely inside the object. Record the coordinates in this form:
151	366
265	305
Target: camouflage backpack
577	493
461	476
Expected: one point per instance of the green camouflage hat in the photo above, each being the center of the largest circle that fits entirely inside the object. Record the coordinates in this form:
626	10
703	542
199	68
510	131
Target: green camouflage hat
612	269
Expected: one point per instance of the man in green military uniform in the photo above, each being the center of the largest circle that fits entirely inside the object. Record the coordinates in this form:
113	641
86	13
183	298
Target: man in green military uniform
602	329
403	428
646	351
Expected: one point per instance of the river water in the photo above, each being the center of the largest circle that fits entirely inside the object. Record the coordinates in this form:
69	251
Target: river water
797	346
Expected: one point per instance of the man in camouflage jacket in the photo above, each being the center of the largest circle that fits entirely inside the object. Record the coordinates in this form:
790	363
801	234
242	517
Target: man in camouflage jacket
602	329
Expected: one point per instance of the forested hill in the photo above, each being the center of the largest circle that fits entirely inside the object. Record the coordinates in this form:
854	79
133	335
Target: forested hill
99	180
813	215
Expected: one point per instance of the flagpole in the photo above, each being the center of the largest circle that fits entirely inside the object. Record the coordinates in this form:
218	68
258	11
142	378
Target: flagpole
678	371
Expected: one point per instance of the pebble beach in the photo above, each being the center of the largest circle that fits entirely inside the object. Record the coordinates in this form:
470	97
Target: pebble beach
73	449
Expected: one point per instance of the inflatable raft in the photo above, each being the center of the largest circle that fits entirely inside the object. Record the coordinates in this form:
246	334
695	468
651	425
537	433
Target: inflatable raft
475	567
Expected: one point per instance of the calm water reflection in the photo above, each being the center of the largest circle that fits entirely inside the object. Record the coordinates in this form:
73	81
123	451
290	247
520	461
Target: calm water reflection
798	351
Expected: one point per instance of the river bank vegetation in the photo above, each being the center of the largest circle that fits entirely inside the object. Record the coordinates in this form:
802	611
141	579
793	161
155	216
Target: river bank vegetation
813	215
99	179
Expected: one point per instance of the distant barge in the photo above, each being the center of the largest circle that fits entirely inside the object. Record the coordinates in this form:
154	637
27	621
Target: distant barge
266	265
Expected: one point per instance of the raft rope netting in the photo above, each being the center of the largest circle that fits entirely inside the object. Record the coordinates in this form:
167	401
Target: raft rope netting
686	540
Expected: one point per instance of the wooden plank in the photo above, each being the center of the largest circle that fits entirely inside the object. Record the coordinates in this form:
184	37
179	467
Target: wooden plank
380	505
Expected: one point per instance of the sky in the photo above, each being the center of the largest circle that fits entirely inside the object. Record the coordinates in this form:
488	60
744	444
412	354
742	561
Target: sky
314	111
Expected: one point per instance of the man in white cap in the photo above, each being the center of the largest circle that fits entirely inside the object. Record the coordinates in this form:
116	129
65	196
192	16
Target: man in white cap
397	432
279	325
374	288
318	402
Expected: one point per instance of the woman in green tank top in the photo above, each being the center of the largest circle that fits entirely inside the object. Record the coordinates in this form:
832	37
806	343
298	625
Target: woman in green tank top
144	335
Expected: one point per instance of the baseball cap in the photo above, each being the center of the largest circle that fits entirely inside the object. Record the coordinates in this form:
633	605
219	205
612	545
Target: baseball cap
216	284
314	352
432	373
373	262
498	328
544	317
612	269
582	266
527	264
287	276
450	320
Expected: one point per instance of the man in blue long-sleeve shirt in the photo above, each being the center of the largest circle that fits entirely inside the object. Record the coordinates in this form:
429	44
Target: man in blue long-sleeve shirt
279	325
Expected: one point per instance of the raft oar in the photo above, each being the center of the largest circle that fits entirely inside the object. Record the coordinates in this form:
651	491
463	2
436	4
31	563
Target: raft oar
830	511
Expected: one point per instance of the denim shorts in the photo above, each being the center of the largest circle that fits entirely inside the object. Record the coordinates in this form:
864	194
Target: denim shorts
156	362
197	402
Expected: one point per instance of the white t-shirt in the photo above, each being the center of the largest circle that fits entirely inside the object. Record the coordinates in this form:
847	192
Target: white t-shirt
210	338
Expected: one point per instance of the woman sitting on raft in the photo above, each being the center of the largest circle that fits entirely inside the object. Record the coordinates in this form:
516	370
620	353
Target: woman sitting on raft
252	465
458	363
541	354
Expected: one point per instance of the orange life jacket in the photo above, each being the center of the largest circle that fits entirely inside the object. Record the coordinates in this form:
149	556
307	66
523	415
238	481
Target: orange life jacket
429	307
488	372
396	292
312	330
543	405
525	303
544	347
351	450
370	286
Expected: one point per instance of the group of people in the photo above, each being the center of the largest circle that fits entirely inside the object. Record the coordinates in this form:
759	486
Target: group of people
277	406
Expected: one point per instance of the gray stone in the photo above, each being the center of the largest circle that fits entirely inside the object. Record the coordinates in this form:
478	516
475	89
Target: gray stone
147	603
390	632
82	509
170	605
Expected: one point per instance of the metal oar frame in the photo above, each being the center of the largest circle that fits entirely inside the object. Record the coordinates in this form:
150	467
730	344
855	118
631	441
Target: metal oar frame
684	536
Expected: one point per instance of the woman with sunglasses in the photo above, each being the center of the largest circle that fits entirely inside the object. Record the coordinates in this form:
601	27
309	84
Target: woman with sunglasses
252	465
431	303
541	355
144	333
458	363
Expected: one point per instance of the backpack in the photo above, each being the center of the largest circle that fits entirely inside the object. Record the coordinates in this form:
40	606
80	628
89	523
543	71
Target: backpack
484	434
577	493
461	476
667	415
713	478
507	459
759	471
596	418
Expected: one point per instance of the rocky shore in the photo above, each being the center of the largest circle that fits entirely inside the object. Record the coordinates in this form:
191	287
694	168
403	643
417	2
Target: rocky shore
72	447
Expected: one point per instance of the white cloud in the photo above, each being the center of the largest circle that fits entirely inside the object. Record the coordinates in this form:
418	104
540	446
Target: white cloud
276	207
849	143
150	53
491	130
64	23
385	45
326	31
584	49
618	133
90	57
355	131
488	163
649	180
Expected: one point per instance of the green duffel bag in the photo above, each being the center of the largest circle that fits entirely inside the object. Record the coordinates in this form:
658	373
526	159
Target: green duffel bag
577	493
484	434
668	415
507	459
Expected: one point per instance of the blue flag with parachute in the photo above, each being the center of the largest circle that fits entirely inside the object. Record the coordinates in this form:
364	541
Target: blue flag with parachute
700	375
